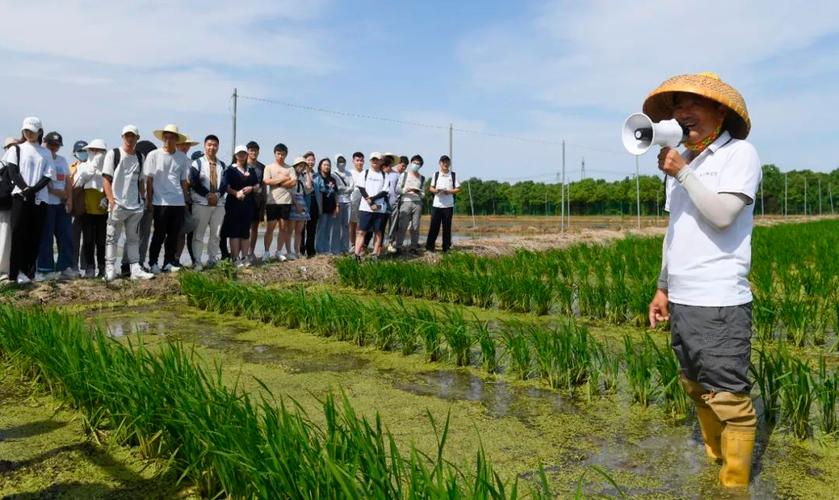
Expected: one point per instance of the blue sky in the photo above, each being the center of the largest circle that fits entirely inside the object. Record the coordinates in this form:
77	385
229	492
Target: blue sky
544	70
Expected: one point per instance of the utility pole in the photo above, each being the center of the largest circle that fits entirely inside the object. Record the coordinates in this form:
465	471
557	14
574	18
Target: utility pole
830	195
451	135
805	195
235	110
562	212
820	195
786	192
762	209
583	169
638	191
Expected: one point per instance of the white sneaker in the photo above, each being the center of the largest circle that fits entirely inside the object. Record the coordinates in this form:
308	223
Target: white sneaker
155	269
137	273
240	263
391	249
39	277
198	267
110	275
23	279
171	268
281	257
69	273
292	256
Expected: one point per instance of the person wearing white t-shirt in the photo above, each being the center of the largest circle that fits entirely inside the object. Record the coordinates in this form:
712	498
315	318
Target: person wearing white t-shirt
372	210
31	169
167	174
444	185
703	288
126	192
357	171
57	224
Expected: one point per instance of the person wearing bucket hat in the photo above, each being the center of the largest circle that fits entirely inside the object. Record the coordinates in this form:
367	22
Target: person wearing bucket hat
167	189
30	169
299	205
57	224
125	190
703	288
95	219
239	206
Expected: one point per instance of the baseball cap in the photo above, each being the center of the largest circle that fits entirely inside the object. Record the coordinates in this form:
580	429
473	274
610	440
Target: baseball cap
130	129
240	149
375	155
54	138
32	123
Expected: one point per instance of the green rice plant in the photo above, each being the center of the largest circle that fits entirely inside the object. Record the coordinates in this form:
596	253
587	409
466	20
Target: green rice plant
517	348
429	332
640	366
770	374
676	401
827	390
797	395
219	438
457	334
564	354
607	366
487	343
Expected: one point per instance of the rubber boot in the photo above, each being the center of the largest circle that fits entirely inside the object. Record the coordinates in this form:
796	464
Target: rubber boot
737	414
709	424
712	429
737	446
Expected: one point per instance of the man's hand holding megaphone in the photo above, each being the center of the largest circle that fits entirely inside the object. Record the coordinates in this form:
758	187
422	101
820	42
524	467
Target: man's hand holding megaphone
670	161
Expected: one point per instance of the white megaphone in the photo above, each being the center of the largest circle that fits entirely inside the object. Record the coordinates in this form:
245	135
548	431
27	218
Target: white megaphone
640	133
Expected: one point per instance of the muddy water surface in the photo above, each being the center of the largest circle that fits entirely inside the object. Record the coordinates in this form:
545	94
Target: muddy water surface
521	425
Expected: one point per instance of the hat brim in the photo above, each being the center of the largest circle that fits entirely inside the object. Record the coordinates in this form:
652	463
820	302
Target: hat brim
191	143
659	104
159	135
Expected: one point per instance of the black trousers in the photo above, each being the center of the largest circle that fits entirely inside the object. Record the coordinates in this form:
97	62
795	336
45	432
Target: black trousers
94	229
168	222
307	243
27	220
440	216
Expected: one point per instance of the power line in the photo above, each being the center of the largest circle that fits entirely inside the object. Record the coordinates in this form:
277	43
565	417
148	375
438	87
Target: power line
425	125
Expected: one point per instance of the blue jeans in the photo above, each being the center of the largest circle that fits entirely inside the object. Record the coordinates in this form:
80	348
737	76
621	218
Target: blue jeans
56	225
326	223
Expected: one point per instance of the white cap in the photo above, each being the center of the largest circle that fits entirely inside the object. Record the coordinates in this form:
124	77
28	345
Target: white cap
130	129
31	123
96	144
240	149
375	155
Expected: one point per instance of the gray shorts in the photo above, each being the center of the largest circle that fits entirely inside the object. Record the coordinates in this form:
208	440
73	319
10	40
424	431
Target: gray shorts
714	345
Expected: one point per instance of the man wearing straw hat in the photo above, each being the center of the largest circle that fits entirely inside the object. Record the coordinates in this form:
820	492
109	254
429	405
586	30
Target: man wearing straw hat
703	288
167	174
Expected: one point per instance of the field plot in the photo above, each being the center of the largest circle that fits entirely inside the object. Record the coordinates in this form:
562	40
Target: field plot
526	375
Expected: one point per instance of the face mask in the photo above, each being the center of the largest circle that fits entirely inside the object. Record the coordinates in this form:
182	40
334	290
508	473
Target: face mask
81	156
415	167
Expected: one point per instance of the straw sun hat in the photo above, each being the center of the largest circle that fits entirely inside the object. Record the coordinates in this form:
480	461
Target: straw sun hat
659	104
170	128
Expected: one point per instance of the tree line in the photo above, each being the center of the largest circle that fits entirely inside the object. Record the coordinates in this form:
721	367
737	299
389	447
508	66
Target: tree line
817	192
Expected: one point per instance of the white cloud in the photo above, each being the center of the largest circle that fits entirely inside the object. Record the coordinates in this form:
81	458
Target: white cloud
601	58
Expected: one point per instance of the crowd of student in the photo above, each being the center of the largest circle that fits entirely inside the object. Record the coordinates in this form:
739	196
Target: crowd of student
65	220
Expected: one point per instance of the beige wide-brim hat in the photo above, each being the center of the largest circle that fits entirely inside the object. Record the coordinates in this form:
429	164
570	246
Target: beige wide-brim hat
187	140
170	128
298	161
659	104
394	159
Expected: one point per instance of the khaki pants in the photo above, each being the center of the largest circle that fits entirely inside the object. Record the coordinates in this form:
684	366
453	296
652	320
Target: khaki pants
207	217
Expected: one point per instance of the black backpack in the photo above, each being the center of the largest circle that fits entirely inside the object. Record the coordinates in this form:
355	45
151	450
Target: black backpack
6	184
